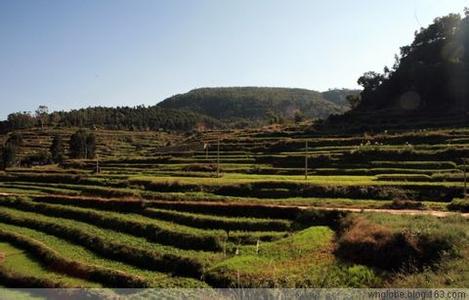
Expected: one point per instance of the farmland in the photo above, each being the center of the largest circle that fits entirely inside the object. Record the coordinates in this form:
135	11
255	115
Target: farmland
166	211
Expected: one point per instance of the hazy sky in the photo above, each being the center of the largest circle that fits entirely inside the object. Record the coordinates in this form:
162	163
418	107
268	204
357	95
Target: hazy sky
77	53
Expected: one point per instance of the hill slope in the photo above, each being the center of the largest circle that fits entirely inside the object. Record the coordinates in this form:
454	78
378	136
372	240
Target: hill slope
254	103
426	86
339	96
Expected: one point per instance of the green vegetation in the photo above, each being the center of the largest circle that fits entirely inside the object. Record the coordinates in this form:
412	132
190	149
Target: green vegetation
82	255
426	84
130	118
166	220
406	242
17	266
82	145
193	192
245	105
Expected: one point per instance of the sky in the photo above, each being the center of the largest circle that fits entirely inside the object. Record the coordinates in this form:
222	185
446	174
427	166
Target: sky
80	53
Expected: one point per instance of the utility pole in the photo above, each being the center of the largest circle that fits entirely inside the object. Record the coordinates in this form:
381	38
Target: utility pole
306	160
465	178
218	158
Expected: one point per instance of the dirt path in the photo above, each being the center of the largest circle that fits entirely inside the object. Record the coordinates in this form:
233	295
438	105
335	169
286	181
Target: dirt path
2	257
411	212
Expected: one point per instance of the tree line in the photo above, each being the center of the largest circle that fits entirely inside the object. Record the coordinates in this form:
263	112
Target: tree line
128	118
82	145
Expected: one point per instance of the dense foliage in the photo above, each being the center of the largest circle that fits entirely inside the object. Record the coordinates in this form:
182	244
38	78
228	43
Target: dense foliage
133	118
82	144
430	75
259	104
57	149
9	150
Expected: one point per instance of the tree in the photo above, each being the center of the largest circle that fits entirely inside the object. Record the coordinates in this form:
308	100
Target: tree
299	117
82	144
42	114
20	120
57	149
15	139
353	100
10	149
370	80
91	145
9	152
434	68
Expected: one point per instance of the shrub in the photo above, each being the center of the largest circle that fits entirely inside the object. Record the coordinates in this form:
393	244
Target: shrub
200	168
406	204
461	205
364	242
39	158
316	217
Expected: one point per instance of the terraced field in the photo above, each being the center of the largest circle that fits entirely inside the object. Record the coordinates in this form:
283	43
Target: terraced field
157	214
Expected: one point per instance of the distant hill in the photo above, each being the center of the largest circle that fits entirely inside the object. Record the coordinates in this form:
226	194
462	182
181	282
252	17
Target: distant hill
197	109
257	103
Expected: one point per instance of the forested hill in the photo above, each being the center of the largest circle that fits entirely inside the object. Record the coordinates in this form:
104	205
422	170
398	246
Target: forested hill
428	85
256	103
201	108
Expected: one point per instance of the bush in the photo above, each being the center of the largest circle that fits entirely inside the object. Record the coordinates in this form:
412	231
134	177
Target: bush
364	242
406	204
461	205
37	159
316	217
200	168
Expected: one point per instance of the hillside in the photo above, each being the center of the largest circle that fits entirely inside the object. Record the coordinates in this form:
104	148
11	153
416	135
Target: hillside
426	86
255	103
339	96
200	108
159	214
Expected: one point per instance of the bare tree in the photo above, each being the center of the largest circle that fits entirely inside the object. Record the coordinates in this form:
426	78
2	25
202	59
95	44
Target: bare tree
42	113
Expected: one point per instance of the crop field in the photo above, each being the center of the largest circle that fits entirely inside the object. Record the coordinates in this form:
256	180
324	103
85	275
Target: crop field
164	210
